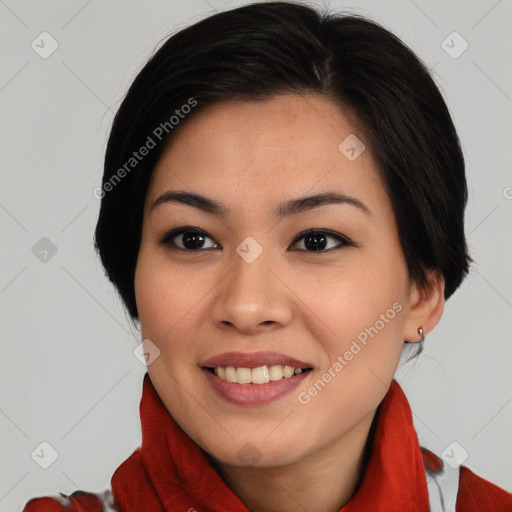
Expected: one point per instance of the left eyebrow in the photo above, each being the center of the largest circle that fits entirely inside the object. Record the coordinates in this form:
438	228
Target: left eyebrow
303	204
286	209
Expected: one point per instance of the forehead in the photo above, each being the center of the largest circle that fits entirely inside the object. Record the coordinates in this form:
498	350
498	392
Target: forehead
269	150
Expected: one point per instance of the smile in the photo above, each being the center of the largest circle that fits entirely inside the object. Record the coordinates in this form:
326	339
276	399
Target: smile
254	378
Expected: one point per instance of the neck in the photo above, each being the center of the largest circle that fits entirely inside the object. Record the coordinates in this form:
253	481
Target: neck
324	481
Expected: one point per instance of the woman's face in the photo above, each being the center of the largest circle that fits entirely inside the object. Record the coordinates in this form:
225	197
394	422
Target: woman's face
252	282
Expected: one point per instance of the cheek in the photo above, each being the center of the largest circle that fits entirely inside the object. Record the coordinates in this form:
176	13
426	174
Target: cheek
364	311
352	296
168	298
358	315
155	292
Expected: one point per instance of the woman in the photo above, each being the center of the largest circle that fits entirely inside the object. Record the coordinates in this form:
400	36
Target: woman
282	209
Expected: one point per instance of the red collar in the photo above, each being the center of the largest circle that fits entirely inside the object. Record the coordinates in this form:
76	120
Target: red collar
170	472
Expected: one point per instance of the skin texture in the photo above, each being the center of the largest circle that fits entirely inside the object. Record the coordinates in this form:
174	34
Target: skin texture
251	156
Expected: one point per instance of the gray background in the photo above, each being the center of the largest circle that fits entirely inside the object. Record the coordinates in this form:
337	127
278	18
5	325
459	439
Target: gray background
68	373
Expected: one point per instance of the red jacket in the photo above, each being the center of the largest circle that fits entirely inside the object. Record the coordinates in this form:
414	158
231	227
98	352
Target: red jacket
170	473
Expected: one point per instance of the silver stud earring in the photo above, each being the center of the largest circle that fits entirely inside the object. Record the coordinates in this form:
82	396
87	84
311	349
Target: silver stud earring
421	333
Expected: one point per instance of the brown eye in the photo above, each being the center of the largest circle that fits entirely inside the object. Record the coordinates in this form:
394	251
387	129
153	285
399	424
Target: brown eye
195	240
321	241
188	239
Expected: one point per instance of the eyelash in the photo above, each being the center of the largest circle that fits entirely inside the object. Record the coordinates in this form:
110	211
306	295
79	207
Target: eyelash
169	236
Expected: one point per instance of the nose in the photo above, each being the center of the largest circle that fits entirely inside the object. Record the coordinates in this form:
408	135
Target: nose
252	298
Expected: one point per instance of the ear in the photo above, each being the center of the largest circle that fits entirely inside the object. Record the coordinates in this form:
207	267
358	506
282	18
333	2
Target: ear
425	307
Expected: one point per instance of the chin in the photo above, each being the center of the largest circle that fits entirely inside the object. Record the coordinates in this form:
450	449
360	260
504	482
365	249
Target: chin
255	453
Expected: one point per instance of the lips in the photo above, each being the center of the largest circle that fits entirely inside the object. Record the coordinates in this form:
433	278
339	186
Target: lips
253	360
257	378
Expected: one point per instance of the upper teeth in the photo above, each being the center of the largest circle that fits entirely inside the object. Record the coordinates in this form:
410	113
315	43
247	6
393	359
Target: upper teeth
260	375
